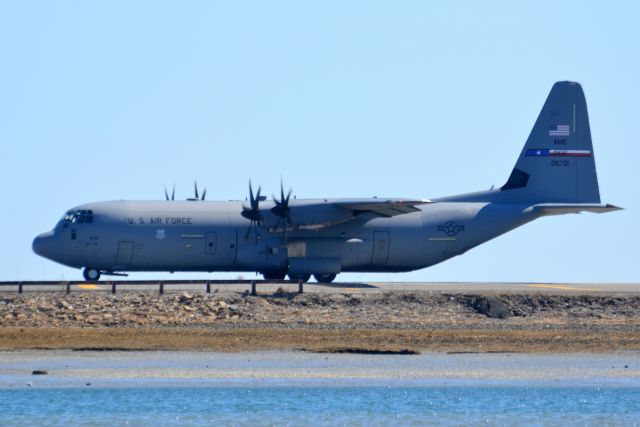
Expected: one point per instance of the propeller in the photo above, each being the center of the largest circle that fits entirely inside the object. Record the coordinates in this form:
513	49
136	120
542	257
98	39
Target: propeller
173	193
195	190
252	212
281	210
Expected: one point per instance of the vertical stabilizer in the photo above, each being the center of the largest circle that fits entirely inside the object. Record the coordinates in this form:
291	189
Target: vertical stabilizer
557	164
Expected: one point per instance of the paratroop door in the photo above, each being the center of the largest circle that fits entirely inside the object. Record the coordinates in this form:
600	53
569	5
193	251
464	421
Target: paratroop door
125	253
220	247
380	247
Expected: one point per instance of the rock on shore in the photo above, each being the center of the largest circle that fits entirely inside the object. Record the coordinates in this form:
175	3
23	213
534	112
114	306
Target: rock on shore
389	309
390	322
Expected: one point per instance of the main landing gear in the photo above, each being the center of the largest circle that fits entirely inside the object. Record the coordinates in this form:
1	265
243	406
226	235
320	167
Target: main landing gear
296	277
324	278
320	278
91	274
280	275
274	275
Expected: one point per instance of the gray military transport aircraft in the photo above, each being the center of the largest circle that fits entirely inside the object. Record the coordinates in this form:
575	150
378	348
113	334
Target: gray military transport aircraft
554	174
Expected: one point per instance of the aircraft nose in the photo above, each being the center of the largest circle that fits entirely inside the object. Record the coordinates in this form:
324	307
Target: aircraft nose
43	244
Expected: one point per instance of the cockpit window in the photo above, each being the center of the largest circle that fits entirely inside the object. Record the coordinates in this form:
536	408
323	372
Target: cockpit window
78	217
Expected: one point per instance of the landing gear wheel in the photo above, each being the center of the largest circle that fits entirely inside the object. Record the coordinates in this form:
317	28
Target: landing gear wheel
274	275
304	277
324	278
91	274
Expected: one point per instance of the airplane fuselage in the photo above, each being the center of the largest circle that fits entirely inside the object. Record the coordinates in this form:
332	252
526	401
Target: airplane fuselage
212	236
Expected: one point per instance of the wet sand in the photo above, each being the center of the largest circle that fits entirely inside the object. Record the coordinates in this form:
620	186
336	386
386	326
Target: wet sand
152	368
235	338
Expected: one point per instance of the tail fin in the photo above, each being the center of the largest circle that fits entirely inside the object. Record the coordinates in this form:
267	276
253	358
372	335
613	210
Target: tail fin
557	164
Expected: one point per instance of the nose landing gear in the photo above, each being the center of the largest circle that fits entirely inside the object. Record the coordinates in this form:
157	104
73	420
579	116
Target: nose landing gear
91	274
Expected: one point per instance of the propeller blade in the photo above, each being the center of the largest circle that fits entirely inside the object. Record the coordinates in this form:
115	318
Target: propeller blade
173	192
252	212
204	194
281	210
281	192
166	193
284	233
195	189
276	210
285	213
258	197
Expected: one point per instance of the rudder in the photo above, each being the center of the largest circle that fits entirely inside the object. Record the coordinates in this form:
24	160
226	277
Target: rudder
557	163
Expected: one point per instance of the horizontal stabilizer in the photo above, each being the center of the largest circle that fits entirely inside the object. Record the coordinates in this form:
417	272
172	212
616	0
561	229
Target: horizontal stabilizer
563	208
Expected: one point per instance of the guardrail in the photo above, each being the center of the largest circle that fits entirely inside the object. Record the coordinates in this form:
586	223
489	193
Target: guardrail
20	286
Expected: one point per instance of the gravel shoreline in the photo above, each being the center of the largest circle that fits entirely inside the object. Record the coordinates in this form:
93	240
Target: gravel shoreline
391	321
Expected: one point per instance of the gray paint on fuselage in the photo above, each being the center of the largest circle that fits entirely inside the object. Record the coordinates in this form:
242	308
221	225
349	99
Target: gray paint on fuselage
415	240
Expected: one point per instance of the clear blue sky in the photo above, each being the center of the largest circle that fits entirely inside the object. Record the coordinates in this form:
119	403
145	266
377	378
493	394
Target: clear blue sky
114	99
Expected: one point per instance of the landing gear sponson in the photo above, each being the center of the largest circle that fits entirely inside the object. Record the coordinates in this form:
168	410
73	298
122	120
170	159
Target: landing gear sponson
93	275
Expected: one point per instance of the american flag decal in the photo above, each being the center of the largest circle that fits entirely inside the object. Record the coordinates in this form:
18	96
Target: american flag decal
559	130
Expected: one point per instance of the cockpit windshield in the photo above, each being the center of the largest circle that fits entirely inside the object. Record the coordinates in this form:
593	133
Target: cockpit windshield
84	216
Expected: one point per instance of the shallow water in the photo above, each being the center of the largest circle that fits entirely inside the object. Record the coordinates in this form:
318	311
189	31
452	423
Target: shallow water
321	405
297	388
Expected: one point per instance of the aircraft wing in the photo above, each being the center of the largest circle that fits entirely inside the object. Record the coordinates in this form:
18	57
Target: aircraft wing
316	214
382	207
